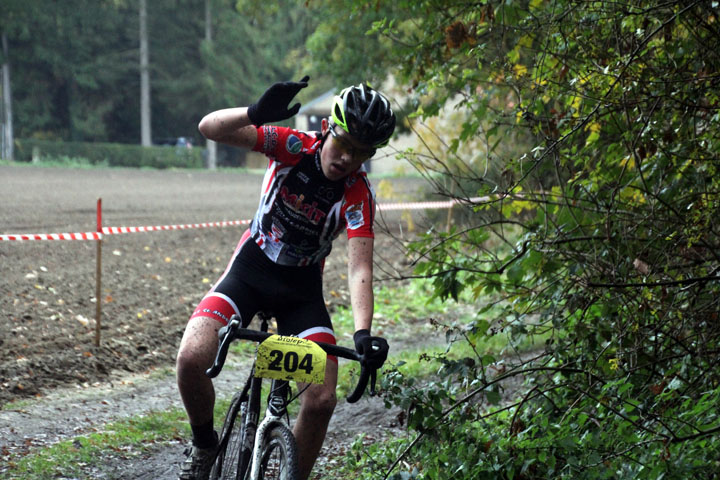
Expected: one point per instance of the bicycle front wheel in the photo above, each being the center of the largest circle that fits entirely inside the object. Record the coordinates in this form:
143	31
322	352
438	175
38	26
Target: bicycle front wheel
232	461
278	457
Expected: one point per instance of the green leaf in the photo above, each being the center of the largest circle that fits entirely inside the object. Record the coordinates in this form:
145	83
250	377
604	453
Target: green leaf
493	397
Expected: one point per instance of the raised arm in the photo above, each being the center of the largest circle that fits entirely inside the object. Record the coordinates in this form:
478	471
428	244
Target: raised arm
231	126
234	126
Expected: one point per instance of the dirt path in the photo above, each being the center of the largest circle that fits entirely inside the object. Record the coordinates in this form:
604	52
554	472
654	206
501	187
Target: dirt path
151	282
67	413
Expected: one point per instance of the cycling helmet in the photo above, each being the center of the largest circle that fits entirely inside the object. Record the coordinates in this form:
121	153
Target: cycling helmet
365	114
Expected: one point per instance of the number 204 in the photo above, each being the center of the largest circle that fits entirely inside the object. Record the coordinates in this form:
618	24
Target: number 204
290	361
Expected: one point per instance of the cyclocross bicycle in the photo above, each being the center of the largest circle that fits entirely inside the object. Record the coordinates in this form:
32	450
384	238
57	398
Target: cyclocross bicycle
249	450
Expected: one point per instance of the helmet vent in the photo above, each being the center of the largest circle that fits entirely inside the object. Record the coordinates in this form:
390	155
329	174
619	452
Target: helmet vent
365	114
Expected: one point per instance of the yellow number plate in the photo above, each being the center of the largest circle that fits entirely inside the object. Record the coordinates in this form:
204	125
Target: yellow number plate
290	358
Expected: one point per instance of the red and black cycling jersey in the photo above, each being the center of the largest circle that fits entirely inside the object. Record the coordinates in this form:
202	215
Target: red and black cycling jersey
301	212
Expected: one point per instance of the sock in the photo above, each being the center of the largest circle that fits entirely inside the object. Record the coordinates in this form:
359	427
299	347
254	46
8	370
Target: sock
204	435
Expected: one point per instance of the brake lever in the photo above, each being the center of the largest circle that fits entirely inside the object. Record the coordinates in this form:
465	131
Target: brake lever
373	374
225	336
360	387
365	375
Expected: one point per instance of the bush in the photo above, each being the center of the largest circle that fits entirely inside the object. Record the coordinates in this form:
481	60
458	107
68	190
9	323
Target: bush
111	154
603	235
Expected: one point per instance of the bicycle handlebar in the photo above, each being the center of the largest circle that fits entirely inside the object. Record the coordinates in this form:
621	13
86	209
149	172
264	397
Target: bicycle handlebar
232	331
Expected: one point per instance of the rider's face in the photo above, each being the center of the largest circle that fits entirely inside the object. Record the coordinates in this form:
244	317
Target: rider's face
342	154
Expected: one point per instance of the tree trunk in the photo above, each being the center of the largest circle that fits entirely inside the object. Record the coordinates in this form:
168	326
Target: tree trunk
145	126
7	131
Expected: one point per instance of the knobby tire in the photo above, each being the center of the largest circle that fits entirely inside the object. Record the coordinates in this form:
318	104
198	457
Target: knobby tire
278	458
229	464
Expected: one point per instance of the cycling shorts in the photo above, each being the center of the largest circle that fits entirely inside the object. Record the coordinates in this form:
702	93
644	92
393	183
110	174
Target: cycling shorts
253	283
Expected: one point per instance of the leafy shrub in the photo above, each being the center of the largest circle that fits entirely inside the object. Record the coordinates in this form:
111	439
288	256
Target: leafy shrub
602	235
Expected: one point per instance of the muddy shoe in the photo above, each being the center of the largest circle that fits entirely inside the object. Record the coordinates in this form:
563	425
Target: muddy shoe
198	464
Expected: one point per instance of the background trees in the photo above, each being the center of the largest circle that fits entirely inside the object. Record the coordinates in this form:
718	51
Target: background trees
76	64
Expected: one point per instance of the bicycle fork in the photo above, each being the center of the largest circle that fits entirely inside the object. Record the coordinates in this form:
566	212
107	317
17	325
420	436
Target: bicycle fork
275	414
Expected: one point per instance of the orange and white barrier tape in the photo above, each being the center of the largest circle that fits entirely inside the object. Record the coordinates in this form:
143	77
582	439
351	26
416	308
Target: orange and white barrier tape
157	228
428	205
117	231
52	236
120	230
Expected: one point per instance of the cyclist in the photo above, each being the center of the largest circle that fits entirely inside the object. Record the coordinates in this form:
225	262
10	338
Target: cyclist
315	186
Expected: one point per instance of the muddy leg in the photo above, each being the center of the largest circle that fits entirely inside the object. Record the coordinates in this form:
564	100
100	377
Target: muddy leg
317	405
196	354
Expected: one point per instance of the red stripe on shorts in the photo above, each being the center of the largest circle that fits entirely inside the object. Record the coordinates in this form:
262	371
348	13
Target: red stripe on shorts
325	338
216	307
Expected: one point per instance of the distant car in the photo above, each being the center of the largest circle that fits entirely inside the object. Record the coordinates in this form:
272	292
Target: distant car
175	142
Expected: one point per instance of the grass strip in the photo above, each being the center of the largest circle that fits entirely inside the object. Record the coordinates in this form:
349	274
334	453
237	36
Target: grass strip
127	438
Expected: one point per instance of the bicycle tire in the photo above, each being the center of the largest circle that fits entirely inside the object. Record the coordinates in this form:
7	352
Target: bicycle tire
228	464
278	456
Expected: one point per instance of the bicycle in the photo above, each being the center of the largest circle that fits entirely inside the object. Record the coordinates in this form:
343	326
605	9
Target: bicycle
249	450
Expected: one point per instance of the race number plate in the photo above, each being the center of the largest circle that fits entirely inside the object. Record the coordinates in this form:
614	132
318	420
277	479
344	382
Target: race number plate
290	358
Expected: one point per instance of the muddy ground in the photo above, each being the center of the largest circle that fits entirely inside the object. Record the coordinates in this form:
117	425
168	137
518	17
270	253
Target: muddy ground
150	284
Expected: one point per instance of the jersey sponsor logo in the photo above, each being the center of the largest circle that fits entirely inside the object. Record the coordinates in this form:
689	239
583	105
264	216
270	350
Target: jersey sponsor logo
293	144
276	232
297	204
304	178
271	137
354	216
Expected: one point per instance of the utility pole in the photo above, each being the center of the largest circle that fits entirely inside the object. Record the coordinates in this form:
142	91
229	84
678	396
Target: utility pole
211	147
145	125
7	151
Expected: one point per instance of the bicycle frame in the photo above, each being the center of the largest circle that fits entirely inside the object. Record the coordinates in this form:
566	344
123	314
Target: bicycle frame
275	413
251	456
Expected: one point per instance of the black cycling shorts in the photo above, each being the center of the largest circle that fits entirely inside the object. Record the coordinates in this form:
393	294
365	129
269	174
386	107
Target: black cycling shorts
252	283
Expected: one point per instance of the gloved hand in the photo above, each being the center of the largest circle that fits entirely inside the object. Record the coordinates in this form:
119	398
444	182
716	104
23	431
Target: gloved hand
374	350
273	105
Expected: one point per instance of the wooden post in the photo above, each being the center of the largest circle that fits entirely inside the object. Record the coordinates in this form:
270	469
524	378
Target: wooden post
98	275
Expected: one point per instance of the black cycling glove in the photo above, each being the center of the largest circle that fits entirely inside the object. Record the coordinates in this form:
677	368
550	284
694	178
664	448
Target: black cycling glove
273	105
374	350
